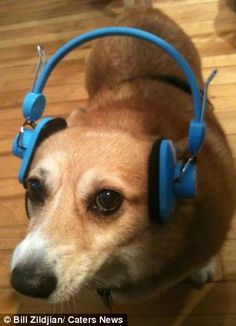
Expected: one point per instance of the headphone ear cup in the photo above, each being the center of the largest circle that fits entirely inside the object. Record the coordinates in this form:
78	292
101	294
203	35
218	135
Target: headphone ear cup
153	182
167	168
26	143
161	177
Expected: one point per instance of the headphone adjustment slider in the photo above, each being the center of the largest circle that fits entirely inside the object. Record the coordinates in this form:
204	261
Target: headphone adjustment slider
196	136
185	178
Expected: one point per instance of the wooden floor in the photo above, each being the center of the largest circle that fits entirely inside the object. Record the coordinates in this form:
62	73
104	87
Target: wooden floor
26	23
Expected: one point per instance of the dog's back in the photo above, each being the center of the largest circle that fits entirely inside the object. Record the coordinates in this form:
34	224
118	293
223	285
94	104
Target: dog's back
123	58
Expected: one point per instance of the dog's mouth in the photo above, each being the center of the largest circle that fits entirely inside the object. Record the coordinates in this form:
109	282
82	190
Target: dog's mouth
45	285
61	280
56	277
36	281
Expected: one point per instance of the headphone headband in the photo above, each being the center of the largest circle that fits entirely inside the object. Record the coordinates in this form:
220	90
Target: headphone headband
122	31
34	102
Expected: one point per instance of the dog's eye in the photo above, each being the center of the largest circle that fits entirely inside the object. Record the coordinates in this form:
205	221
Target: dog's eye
35	191
107	201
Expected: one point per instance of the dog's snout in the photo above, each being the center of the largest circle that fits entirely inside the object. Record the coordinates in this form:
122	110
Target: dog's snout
33	281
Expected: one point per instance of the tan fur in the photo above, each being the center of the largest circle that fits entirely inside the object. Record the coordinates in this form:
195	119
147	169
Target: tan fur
108	145
130	3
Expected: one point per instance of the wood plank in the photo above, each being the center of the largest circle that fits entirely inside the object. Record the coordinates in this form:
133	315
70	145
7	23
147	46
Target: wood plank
9	302
219	61
232	143
5	258
12	211
229	259
11	236
11	187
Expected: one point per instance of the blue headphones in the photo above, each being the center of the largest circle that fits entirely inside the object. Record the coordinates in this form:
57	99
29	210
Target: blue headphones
169	180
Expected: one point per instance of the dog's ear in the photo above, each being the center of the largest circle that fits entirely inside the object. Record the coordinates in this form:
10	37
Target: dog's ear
76	117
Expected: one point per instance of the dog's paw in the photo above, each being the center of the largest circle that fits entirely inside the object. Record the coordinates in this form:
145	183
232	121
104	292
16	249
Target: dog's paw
203	275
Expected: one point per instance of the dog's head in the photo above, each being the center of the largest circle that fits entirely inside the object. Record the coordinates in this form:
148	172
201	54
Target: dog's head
87	202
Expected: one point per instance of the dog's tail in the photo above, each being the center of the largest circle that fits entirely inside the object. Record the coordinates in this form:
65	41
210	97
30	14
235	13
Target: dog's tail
130	3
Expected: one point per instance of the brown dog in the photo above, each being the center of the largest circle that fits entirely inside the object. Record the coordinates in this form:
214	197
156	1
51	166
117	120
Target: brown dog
87	187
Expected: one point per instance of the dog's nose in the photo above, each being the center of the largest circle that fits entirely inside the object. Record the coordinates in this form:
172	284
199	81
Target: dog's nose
32	281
